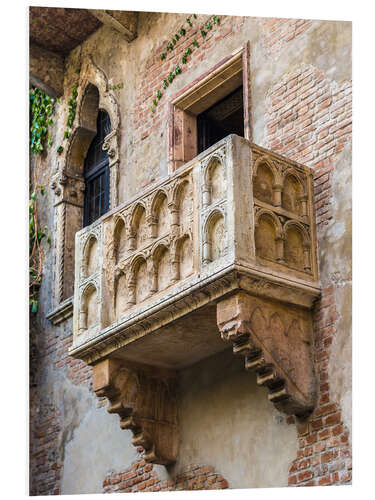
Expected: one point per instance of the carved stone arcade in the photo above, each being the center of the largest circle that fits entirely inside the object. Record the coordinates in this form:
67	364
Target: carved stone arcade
226	242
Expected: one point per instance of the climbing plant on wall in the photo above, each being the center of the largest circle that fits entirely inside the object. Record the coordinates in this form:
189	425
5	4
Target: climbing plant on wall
204	29
41	111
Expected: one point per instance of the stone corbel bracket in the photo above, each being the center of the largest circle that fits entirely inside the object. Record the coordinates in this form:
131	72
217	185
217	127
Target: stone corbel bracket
145	400
275	340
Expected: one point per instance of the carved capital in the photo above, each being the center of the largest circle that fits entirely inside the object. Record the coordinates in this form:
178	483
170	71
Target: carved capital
145	399
275	340
68	189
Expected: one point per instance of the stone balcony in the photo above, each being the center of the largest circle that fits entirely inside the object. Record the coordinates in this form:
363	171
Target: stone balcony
220	253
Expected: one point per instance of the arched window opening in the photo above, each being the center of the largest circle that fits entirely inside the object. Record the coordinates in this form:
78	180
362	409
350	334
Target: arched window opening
96	173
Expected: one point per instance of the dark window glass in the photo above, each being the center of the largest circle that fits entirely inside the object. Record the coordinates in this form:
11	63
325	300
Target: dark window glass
96	173
222	119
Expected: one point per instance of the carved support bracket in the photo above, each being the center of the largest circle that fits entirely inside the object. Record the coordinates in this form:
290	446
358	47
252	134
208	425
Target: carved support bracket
145	399
275	340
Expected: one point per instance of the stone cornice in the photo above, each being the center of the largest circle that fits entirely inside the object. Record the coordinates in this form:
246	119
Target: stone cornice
62	312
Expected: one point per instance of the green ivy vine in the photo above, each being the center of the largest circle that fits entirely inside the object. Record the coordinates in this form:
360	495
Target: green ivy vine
72	107
170	47
36	236
41	111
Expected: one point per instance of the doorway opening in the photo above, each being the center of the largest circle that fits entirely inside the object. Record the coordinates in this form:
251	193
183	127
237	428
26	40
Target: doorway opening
223	118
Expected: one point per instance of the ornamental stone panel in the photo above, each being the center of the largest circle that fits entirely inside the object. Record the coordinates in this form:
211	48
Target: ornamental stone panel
222	251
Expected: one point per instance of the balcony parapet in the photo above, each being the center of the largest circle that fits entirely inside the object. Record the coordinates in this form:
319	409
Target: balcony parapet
224	244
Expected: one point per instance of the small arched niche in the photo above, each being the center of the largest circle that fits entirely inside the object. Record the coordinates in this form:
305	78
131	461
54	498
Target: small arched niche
89	314
161	214
265	237
263	183
185	252
141	280
214	245
139	226
185	203
162	267
91	257
215	179
120	240
294	247
291	193
121	296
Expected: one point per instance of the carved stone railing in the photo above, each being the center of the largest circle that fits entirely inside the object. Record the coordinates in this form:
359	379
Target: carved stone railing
222	249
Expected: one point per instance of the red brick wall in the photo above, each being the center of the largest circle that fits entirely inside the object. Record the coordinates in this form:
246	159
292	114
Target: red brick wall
309	120
45	419
278	32
145	122
141	477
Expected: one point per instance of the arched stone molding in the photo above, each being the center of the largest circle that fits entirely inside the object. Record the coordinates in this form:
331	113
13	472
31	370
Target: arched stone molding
181	197
89	307
183	256
297	250
120	295
214	224
68	184
299	195
93	94
161	267
158	219
90	256
214	180
119	238
138	283
274	197
264	239
138	227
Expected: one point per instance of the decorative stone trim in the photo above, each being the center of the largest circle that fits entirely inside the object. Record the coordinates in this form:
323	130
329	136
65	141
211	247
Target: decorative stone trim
145	400
62	312
275	340
68	184
211	238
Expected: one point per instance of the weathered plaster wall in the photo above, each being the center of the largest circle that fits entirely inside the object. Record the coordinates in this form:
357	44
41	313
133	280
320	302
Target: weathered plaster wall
336	253
226	420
